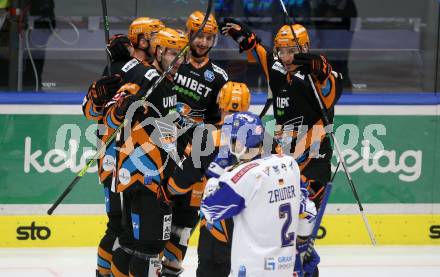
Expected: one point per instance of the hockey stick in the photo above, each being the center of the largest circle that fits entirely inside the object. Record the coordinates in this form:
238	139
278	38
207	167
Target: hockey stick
102	148
107	35
334	174
266	107
332	134
318	220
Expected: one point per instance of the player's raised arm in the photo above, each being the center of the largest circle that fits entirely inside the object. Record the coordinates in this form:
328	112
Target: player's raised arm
247	42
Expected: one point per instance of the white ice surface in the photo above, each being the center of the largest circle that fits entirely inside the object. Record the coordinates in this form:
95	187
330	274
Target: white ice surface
342	261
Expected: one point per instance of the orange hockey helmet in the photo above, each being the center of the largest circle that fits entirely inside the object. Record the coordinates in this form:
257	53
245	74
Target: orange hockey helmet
285	38
145	26
169	38
234	97
195	21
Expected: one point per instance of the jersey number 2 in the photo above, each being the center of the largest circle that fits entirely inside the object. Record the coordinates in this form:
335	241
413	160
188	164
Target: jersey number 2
286	238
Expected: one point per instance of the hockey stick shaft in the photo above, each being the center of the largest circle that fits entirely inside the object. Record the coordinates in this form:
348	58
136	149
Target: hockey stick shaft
102	148
106	34
334	174
319	216
266	107
318	221
332	134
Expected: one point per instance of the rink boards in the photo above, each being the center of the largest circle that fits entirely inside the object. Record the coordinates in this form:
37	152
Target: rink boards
399	187
86	230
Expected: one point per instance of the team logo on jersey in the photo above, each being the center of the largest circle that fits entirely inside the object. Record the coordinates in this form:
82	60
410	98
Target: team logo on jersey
183	108
209	75
276	168
266	170
269	264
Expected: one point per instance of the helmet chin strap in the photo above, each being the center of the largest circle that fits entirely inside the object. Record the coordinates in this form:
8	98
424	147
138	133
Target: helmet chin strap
237	155
159	63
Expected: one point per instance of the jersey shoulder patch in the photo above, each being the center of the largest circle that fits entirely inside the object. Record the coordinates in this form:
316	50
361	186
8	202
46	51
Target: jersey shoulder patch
151	73
279	67
130	64
220	71
238	175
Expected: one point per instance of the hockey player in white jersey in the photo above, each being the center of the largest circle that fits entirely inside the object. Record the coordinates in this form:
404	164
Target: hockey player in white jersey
265	199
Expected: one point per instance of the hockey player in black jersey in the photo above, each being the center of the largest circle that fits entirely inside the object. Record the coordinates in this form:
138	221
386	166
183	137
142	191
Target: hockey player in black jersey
197	85
300	125
301	129
199	81
100	92
144	157
214	247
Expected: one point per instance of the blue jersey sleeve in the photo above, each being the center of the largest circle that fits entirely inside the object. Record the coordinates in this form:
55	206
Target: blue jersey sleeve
223	203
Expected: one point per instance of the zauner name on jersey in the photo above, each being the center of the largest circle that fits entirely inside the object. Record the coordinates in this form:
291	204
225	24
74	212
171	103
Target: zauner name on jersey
281	194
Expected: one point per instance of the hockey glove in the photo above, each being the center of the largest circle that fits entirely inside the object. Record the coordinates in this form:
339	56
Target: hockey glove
104	89
218	166
239	32
313	64
123	105
310	263
118	47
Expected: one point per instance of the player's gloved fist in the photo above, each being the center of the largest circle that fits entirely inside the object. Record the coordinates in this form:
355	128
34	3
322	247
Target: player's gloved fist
118	47
310	263
124	104
105	88
218	166
239	32
313	64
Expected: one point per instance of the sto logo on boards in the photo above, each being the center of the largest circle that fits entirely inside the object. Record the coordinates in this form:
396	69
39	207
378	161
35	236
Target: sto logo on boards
33	232
434	231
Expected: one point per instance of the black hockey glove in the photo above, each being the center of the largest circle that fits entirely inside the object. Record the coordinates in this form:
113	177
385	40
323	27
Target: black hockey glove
104	89
313	64
239	32
124	104
118	48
